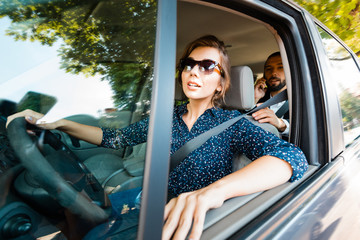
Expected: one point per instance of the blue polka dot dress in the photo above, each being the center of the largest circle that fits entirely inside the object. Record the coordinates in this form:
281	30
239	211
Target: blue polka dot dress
212	160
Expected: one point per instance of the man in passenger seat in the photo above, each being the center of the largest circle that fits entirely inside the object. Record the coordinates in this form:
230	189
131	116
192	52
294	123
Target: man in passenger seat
271	84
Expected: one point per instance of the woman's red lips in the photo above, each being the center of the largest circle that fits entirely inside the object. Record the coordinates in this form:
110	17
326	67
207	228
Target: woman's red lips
193	84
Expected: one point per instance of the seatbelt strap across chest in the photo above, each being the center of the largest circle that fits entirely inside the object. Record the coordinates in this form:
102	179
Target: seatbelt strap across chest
196	142
282	110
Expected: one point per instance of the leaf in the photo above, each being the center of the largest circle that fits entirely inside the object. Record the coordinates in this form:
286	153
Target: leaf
342	17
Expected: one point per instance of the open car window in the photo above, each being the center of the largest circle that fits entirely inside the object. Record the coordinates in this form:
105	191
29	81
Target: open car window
249	41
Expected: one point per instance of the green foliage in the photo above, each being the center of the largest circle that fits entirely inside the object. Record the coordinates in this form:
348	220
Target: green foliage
127	81
112	38
350	107
341	16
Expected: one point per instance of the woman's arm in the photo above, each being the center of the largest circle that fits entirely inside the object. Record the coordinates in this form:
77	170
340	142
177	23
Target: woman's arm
190	208
87	133
275	162
83	132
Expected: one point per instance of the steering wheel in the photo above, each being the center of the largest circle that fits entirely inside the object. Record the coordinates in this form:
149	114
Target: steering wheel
79	191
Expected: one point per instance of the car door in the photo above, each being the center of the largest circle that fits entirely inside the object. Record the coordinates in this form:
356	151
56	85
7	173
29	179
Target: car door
316	120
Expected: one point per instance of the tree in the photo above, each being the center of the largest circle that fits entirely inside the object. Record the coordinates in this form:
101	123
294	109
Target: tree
350	108
340	16
112	38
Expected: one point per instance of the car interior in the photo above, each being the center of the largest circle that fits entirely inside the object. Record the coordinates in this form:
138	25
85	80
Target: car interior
249	42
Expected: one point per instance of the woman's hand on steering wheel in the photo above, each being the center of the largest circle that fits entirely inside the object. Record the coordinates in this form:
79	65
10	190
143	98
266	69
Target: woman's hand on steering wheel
32	117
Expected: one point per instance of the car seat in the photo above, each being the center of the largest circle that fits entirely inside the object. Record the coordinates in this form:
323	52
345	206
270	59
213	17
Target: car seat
117	173
240	96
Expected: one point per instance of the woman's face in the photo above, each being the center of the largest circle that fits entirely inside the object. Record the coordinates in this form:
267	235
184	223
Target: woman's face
197	85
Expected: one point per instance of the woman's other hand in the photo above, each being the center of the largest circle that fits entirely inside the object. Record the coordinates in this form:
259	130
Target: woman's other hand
189	209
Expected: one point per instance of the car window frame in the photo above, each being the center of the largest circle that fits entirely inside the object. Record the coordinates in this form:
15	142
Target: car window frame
331	104
305	130
288	25
159	135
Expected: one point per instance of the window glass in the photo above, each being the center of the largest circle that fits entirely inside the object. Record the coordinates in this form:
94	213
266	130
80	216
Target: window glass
347	78
87	61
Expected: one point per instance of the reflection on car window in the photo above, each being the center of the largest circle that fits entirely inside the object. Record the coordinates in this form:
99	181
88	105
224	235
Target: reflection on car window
95	58
99	46
347	77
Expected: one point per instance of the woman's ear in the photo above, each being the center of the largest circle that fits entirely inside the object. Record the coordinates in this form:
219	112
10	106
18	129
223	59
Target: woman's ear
219	87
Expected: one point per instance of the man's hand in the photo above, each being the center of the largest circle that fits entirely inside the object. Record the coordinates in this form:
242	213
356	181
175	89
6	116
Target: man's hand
267	115
260	89
190	209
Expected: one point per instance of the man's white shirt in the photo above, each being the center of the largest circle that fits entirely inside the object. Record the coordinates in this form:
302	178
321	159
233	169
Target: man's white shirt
275	108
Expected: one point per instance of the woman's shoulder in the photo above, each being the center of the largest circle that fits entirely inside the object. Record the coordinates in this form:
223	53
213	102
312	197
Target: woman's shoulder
230	112
225	114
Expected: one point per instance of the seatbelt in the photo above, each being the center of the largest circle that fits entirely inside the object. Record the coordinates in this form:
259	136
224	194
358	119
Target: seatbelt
196	142
284	108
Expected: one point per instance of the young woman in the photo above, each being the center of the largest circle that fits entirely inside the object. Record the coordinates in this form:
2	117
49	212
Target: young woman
204	179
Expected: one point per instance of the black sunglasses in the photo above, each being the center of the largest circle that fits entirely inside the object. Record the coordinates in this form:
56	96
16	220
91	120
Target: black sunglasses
206	66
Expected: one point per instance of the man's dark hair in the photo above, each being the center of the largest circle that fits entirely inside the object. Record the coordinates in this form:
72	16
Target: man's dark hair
275	54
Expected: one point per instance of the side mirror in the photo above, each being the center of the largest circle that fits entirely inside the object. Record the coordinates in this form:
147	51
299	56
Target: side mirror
37	102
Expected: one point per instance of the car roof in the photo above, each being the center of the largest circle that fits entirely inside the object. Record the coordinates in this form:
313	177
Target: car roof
249	42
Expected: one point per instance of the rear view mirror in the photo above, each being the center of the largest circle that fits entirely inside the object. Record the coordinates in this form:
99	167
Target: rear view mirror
37	102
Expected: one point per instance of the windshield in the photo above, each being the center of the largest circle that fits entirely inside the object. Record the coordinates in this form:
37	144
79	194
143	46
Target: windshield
87	61
60	47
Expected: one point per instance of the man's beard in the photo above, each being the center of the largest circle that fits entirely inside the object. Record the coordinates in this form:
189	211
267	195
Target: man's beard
274	88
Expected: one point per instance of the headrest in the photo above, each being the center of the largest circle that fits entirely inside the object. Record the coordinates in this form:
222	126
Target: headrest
241	92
